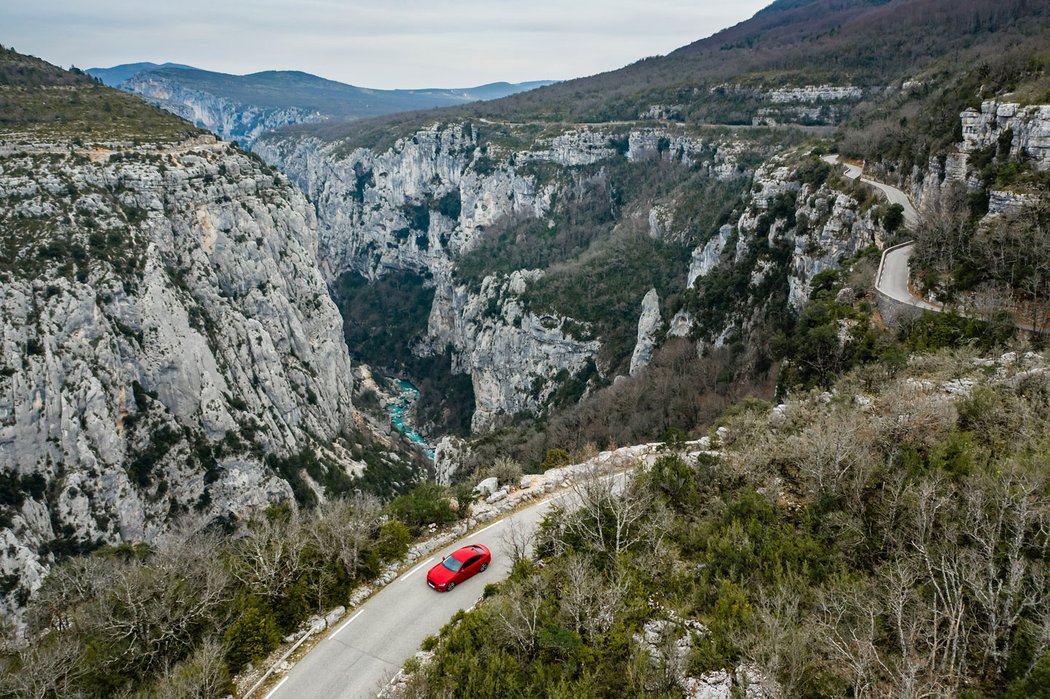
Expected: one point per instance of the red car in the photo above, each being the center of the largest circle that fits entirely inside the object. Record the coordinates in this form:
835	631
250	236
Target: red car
458	566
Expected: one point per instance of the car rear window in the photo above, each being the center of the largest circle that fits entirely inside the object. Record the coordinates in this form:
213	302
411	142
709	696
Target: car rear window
452	564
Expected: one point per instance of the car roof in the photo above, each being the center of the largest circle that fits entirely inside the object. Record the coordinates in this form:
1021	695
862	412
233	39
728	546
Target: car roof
466	552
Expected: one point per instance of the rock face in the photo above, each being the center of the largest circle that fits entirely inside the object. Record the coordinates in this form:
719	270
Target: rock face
706	257
229	119
1013	132
515	358
416	206
1025	131
831	227
828	226
648	324
789	231
816	93
164	327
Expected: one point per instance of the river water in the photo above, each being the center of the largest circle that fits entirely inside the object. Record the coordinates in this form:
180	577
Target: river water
398	410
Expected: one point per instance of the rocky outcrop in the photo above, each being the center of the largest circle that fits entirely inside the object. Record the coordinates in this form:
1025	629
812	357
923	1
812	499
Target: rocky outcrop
1023	130
1016	133
1009	203
649	323
830	227
227	118
663	112
515	358
164	329
821	115
706	257
816	93
789	231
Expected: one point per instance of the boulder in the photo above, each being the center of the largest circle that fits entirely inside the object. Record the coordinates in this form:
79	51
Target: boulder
487	487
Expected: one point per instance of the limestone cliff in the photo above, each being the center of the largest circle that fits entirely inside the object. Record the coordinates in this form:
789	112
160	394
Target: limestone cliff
799	221
167	344
1007	132
427	200
1024	131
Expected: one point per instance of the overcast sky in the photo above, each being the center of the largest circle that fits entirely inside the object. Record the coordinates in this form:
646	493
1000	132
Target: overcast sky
379	43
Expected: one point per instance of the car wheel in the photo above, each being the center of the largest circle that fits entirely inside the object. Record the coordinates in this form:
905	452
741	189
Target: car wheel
483	567
450	586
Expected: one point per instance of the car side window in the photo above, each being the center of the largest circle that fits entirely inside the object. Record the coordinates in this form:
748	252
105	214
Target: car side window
471	561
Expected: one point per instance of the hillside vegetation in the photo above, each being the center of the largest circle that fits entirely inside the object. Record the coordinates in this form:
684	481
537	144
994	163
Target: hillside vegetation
889	538
180	619
41	100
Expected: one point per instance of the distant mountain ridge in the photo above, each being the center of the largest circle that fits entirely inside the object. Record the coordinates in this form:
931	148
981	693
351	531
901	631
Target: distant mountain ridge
242	107
112	77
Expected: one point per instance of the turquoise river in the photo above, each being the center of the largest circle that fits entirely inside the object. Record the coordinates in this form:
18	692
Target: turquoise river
399	408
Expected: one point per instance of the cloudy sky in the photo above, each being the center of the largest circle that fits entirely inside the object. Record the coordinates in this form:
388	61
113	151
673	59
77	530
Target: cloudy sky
379	43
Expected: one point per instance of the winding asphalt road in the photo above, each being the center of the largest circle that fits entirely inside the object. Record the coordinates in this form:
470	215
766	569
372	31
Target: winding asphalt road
894	272
362	653
894	276
892	194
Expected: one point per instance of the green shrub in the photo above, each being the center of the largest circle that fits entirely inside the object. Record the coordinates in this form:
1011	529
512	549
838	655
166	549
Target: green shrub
394	538
1035	685
424	505
555	458
251	637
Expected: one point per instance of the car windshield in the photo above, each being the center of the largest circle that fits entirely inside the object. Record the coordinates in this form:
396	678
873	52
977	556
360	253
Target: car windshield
452	564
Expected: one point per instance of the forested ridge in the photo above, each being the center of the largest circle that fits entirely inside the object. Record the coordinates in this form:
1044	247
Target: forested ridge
872	44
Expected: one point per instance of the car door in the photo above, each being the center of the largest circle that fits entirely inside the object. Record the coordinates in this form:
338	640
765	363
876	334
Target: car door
469	567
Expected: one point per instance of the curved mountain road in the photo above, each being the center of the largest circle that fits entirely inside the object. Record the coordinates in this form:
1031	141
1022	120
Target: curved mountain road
894	273
362	653
892	194
893	279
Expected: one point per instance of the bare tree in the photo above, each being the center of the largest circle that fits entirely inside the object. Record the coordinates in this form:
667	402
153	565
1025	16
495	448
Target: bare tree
48	668
519	540
66	588
848	625
590	603
342	529
943	234
781	643
268	557
990	302
516	614
154	612
611	517
942	572
201	676
832	456
1007	520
